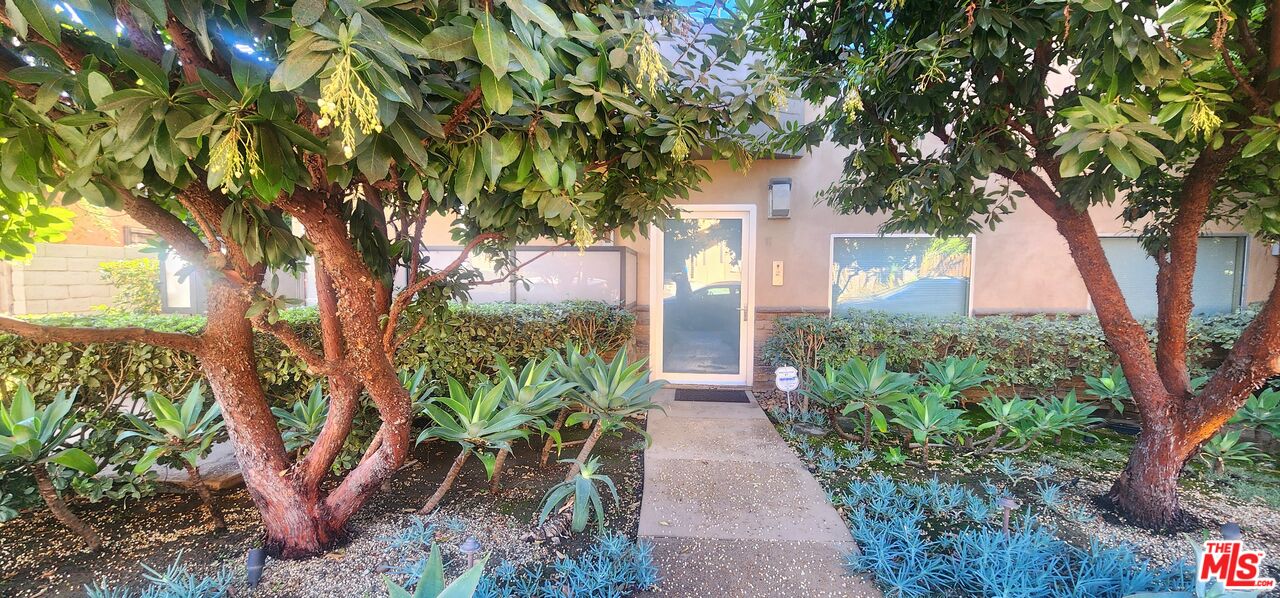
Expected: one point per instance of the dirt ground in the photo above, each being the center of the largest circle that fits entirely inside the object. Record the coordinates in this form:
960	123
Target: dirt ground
40	558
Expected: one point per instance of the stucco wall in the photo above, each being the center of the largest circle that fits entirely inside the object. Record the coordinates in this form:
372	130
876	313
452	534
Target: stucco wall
61	278
1023	266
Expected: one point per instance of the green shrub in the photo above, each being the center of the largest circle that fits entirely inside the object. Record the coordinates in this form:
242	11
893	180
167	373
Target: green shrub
463	345
1036	351
136	282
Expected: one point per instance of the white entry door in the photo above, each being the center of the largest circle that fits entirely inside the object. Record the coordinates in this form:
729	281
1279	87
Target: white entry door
700	296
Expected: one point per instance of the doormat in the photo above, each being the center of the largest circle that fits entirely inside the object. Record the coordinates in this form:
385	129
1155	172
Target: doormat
711	395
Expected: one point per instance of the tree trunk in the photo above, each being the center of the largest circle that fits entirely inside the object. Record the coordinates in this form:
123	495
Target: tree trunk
60	510
833	414
447	483
1147	490
866	428
206	497
585	453
296	521
546	446
495	485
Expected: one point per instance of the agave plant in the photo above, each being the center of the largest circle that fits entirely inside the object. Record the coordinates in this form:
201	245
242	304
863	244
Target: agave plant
420	390
431	581
829	391
478	423
1227	449
1110	386
1069	416
301	424
31	438
180	435
584	493
536	393
1007	417
609	393
928	419
1261	412
872	387
953	375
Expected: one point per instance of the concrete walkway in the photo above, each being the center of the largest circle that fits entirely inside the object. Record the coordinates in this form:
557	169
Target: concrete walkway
732	511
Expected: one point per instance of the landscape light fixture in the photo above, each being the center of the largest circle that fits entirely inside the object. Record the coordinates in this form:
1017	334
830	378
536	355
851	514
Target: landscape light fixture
1007	504
470	548
254	565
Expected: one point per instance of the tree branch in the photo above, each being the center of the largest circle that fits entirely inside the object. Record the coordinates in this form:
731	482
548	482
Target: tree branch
184	41
461	110
344	390
1177	270
1125	335
164	223
1259	104
73	334
145	42
315	362
1253	359
402	300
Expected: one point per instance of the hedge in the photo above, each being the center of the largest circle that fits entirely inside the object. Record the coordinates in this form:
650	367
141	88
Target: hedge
462	345
1034	351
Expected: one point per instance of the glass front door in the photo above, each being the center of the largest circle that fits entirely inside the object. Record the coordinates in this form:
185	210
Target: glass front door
704	307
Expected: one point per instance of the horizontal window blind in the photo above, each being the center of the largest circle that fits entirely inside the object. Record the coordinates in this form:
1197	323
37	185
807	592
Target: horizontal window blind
1217	285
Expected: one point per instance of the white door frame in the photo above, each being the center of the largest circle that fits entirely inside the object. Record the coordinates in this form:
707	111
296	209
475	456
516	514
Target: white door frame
747	359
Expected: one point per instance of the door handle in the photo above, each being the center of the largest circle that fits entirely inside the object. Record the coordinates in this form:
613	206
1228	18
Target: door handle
744	313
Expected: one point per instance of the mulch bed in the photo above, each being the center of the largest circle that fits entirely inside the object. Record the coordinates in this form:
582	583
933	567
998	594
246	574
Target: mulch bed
43	559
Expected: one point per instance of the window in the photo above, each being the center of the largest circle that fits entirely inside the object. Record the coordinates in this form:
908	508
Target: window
904	274
1218	282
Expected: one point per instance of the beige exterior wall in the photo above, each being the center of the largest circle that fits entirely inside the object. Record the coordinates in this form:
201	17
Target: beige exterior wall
1023	266
60	278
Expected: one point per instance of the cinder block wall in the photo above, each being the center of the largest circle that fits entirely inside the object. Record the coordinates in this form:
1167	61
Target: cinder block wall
62	278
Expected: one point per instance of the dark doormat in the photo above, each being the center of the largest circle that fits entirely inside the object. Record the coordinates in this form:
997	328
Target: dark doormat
711	395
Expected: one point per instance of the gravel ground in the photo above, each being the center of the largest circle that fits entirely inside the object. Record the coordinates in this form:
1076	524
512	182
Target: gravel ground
386	537
1085	473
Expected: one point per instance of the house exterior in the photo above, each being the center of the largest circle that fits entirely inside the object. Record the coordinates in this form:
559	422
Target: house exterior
707	288
750	247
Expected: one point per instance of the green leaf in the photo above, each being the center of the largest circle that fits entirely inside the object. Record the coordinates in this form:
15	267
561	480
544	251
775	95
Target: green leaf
497	92
490	39
537	12
150	72
76	459
1123	161
469	176
547	167
307	12
41	17
297	69
99	87
450	43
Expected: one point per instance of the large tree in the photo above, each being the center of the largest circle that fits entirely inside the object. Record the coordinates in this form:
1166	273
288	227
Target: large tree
953	110
220	125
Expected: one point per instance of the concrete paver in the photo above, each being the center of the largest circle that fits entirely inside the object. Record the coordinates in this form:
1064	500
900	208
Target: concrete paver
731	510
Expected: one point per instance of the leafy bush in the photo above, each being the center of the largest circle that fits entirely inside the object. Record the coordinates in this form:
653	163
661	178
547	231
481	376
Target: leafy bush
1037	351
110	377
136	282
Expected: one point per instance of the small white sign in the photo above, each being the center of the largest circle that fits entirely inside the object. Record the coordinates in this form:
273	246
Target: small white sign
786	378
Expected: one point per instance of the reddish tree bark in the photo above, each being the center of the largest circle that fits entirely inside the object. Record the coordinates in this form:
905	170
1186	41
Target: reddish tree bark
1175	423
